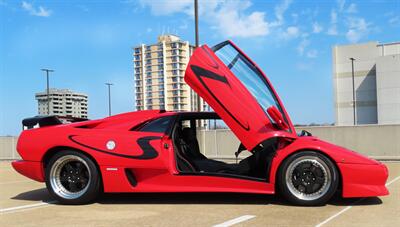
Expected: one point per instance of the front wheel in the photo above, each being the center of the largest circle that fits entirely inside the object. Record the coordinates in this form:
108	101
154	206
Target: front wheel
308	178
72	178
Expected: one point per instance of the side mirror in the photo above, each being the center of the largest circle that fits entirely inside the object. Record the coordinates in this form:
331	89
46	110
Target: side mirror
276	115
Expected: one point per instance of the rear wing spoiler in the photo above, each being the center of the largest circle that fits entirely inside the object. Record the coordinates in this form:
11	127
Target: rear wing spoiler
40	121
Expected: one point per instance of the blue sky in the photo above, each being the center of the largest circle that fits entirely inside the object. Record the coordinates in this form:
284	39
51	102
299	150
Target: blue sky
89	43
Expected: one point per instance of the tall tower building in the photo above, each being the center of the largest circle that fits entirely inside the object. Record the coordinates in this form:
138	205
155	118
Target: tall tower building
159	70
64	103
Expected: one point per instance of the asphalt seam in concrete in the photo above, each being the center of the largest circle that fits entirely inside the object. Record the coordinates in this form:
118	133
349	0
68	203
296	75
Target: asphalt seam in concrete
235	221
349	207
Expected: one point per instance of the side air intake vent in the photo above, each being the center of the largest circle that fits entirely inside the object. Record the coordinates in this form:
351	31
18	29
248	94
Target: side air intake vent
131	177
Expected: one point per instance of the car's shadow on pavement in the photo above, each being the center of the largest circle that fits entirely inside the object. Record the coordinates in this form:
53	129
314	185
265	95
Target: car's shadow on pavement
189	198
356	201
40	195
193	198
219	198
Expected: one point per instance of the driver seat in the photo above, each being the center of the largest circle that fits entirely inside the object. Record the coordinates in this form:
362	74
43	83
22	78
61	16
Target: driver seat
190	148
190	138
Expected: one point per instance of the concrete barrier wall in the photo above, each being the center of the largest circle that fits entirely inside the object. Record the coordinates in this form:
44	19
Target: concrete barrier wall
377	141
8	148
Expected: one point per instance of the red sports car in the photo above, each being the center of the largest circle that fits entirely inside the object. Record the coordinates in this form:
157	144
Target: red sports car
158	151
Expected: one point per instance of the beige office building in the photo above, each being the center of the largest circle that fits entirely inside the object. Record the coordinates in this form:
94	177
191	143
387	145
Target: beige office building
64	103
159	70
376	83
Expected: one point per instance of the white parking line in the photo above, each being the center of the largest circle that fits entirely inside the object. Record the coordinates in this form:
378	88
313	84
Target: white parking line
235	221
349	207
392	181
11	209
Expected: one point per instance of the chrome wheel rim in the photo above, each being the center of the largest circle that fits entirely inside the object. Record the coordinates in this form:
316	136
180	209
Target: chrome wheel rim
70	177
308	178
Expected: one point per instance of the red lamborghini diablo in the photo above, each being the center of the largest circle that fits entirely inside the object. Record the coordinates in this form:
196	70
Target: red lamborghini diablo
158	151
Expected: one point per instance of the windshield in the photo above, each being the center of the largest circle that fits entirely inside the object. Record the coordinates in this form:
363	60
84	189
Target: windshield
249	75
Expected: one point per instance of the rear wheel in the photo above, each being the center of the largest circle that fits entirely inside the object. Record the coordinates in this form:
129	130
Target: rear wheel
72	178
308	178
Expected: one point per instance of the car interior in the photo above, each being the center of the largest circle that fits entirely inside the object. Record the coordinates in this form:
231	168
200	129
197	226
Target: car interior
190	160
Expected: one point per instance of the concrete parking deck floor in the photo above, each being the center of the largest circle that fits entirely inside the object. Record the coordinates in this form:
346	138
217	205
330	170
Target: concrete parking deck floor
26	203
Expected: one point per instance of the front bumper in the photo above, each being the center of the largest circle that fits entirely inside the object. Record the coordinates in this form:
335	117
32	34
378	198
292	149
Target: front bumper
30	169
363	180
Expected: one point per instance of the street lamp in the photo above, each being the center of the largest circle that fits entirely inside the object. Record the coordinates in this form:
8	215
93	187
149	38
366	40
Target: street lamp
109	97
354	91
196	27
47	90
196	21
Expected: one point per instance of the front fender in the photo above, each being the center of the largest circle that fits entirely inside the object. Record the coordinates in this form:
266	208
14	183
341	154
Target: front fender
347	161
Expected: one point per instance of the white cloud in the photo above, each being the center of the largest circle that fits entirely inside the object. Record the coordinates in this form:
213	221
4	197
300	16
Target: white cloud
230	18
332	30
395	21
333	17
295	17
39	11
317	28
184	25
302	46
165	7
312	53
352	8
232	23
83	8
357	29
341	4
291	32
280	10
353	36
358	23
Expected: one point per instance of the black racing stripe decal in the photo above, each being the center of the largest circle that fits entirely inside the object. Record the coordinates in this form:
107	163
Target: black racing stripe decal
148	151
201	72
144	143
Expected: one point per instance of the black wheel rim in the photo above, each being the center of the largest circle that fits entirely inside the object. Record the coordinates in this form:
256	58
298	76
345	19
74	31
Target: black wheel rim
74	176
308	178
70	177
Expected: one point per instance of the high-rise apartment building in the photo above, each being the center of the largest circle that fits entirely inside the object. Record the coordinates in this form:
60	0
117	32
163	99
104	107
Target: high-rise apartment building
159	70
64	103
376	83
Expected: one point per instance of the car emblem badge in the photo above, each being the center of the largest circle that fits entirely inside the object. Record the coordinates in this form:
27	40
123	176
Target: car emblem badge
110	145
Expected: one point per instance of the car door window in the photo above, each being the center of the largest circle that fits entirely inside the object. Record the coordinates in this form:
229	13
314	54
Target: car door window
249	75
158	125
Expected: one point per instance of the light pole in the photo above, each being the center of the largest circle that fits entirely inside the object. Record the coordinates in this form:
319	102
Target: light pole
47	90
109	97
354	91
196	28
196	21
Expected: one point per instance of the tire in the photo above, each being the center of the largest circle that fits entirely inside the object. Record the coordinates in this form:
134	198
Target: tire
308	178
72	178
